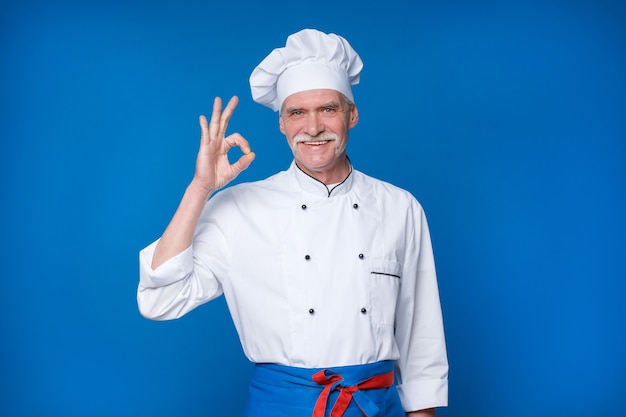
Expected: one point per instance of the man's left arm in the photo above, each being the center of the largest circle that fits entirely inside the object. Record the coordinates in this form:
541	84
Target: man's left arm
422	366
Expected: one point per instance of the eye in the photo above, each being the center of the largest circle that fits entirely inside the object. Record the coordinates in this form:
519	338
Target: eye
329	110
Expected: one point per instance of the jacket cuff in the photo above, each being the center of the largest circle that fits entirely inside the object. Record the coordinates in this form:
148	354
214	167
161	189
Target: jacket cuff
421	395
167	273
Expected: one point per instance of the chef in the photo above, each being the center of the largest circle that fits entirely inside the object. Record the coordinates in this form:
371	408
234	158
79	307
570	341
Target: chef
328	273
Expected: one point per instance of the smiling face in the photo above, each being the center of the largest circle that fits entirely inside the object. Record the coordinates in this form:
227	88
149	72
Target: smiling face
316	124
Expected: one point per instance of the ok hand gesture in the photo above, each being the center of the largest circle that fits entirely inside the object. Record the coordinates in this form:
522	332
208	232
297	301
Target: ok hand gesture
213	169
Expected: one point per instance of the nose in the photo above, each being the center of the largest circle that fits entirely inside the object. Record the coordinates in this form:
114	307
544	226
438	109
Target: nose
314	124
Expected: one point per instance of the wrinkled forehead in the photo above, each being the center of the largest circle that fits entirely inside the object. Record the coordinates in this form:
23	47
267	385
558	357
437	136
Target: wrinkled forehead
313	99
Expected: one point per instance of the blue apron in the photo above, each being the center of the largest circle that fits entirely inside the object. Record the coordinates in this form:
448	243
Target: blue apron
285	391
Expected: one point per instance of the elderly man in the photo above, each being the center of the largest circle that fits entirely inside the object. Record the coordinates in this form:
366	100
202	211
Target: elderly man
328	273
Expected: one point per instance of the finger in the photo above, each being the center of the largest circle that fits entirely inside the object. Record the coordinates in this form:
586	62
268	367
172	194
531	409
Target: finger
205	140
226	115
204	129
243	162
235	139
214	126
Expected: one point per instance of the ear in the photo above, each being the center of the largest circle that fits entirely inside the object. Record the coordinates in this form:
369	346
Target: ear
281	124
354	116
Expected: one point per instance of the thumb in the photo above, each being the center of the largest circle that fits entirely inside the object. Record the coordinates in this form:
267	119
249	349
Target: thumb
244	162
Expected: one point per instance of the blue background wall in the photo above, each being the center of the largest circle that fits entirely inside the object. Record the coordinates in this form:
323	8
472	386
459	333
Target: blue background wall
506	120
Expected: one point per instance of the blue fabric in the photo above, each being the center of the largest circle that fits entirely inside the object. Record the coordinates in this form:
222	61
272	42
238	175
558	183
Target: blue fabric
284	391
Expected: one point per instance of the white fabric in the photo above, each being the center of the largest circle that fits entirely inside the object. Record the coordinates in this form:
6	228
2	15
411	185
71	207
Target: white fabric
368	248
309	60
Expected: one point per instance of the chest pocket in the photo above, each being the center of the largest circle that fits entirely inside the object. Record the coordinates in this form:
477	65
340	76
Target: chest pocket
384	279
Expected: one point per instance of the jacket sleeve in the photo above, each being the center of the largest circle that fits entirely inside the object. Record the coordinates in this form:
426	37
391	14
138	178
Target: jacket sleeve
187	280
423	365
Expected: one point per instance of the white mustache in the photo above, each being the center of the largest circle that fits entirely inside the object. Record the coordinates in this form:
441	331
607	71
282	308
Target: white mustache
303	137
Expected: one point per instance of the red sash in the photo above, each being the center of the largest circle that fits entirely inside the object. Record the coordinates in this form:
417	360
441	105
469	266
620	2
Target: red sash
332	381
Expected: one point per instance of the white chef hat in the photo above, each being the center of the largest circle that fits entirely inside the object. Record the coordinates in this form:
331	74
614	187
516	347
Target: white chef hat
310	60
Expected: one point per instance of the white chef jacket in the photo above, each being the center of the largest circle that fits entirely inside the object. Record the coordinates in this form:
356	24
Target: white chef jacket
315	277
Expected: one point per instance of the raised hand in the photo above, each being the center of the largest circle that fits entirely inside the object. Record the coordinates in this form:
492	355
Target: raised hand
213	169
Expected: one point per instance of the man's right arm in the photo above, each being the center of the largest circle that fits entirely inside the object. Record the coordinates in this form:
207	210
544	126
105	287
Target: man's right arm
179	233
213	171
